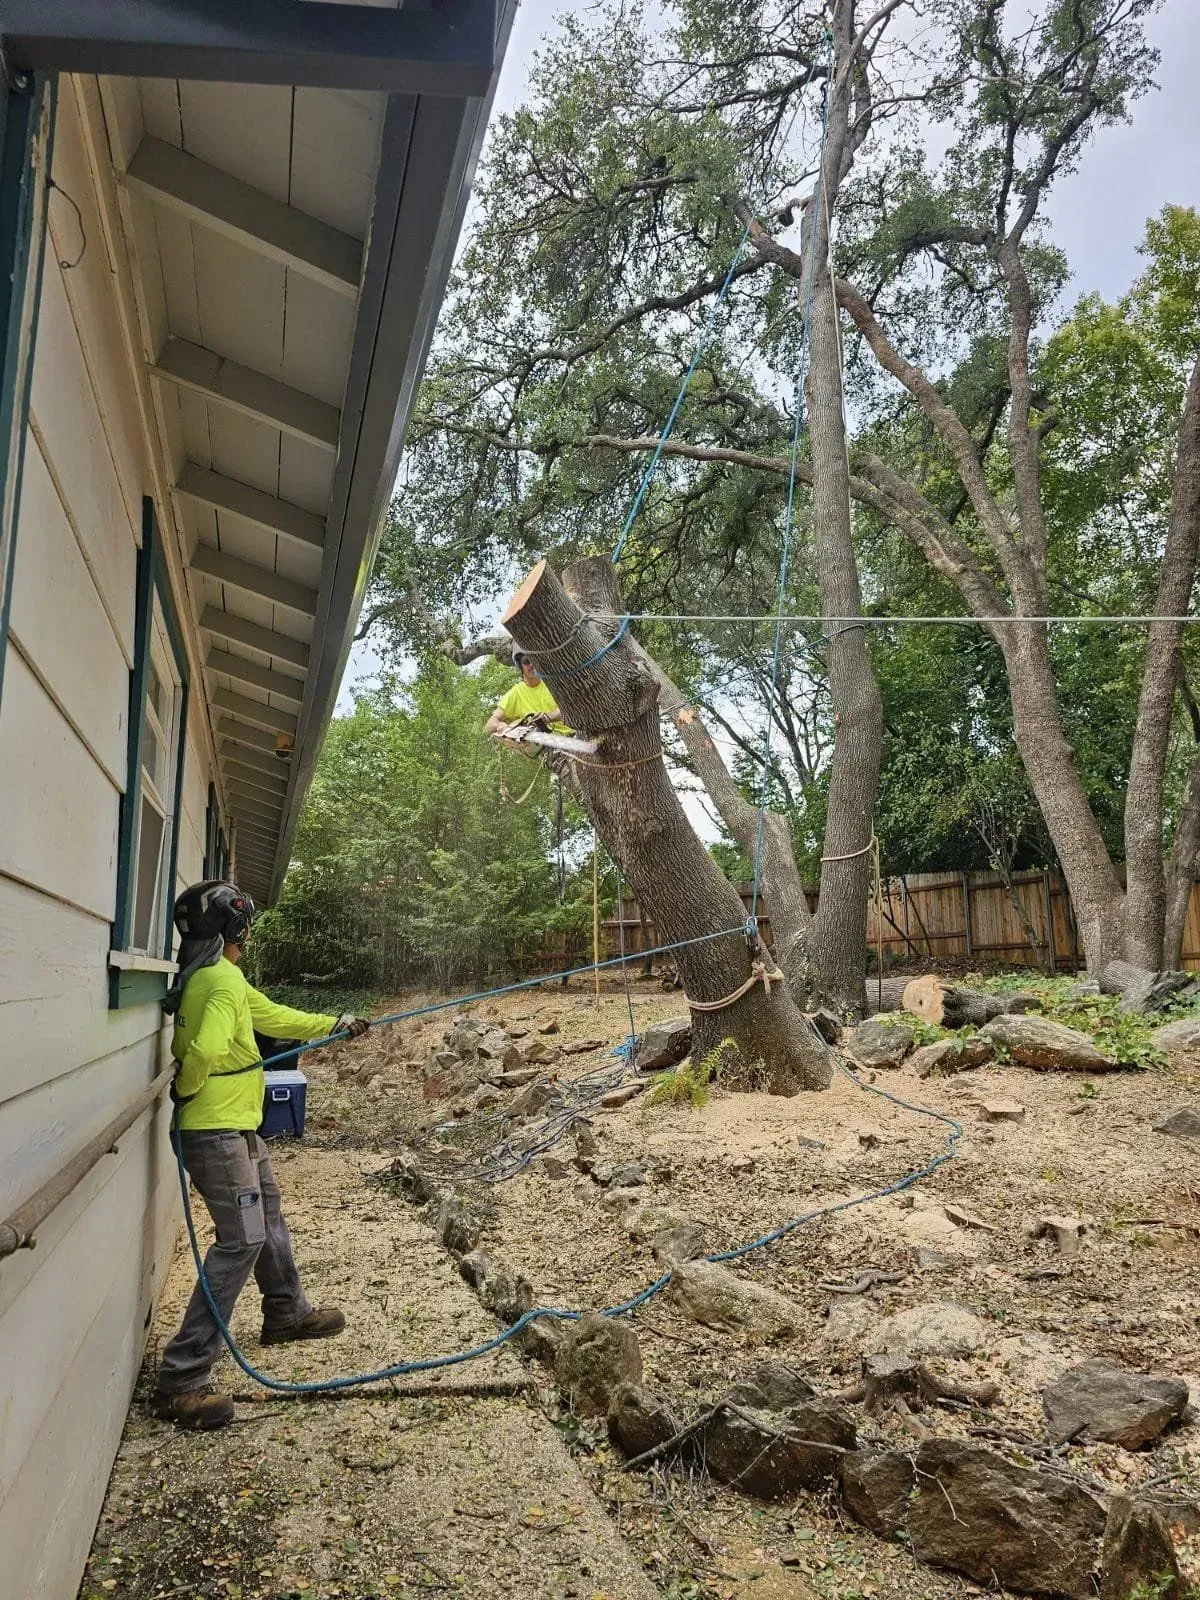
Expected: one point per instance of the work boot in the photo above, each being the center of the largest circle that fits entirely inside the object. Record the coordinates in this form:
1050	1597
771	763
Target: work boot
194	1408
318	1324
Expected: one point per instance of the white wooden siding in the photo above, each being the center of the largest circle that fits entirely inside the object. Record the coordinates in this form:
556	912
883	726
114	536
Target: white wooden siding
73	1312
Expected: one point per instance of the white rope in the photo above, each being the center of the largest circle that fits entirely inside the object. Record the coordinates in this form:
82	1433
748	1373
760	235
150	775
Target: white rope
759	973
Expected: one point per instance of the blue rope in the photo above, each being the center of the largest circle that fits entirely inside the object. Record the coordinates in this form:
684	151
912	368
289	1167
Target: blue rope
402	1369
648	475
785	554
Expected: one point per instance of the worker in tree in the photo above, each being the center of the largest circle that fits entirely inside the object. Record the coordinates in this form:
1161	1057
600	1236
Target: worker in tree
218	1094
528	700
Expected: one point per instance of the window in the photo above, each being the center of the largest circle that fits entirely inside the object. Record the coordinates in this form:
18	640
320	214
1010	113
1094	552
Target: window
147	847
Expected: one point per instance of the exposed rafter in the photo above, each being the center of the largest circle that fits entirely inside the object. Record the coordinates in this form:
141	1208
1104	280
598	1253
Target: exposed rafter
255	778
261	677
253	579
241	500
449	49
253	394
228	626
245	733
217	200
254	711
260	760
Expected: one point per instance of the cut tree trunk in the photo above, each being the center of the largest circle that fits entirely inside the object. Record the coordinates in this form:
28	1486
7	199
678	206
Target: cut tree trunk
1142	990
609	695
888	994
951	1006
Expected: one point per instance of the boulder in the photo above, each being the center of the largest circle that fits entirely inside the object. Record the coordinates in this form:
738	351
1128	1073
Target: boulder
772	1386
1037	1042
675	1245
535	1097
629	1175
616	1098
775	1458
486	1096
663	1044
1001	1524
827	1023
539	1053
587	1146
410	1177
937	1328
475	1268
596	1355
457	1229
950	1055
639	1420
880	1042
715	1297
549	1165
540	1341
1182	1123
582	1047
1138	1553
549	1026
1181	1035
1101	1402
514	1077
877	1486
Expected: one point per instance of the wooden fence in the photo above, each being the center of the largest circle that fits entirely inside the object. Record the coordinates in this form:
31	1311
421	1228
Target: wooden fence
952	917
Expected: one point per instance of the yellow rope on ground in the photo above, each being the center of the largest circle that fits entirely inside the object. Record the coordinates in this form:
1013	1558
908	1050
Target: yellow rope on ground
759	973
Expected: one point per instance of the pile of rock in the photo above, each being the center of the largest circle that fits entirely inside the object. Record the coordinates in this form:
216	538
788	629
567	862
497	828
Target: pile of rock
477	1061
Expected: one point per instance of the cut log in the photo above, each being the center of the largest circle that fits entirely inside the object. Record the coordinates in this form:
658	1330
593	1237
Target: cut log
886	994
1142	990
949	1005
608	695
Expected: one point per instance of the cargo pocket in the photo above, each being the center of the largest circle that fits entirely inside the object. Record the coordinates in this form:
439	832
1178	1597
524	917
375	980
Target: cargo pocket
251	1223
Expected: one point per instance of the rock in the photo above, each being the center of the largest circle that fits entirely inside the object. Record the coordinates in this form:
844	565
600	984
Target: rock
938	1328
976	1513
639	1420
741	1166
1065	1231
596	1356
1002	1110
964	1217
1138	1552
475	1268
377	1084
535	1097
582	1047
880	1043
950	1055
538	1053
1181	1035
1037	1042
848	1320
1099	1401
630	1175
827	1023
551	1026
551	1166
486	1096
772	1386
515	1077
663	1044
715	1297
648	1221
676	1245
497	1046
410	1177
809	1144
773	1458
618	1199
876	1488
347	1070
457	1229
587	1146
602	1173
926	1260
540	1341
444	1059
616	1098
1182	1123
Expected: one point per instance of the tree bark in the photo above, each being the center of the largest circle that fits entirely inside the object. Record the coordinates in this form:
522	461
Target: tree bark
1146	888
610	695
1181	873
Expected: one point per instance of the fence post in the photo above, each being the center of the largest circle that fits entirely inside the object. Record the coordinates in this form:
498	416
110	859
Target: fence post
1051	952
908	944
966	892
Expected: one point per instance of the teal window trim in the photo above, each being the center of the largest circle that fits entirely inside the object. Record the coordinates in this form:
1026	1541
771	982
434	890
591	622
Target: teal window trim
27	105
212	831
126	987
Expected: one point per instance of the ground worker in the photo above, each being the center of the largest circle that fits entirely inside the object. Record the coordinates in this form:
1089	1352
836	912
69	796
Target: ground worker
529	698
218	1094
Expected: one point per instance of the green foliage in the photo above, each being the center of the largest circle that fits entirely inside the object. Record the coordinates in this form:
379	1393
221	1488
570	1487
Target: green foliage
409	865
689	1083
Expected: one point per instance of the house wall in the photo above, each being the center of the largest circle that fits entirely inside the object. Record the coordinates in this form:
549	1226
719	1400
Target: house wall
74	1310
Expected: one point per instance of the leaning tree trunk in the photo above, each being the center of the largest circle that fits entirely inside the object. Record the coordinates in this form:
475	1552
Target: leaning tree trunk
612	698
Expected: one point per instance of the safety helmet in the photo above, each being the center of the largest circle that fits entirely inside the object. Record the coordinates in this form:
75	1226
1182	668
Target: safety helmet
211	908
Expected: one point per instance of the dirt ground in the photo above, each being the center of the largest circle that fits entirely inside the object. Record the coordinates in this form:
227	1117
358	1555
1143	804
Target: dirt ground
383	1494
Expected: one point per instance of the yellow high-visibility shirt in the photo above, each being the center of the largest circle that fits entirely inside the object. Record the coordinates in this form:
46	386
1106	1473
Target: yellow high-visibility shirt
214	1041
524	701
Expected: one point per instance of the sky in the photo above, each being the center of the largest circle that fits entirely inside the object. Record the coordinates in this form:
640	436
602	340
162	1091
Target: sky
1097	214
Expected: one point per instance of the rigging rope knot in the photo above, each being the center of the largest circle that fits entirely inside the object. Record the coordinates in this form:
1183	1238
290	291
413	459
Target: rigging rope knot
760	972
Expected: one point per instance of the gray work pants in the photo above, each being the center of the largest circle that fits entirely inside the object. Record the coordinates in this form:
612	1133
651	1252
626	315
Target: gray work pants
233	1174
